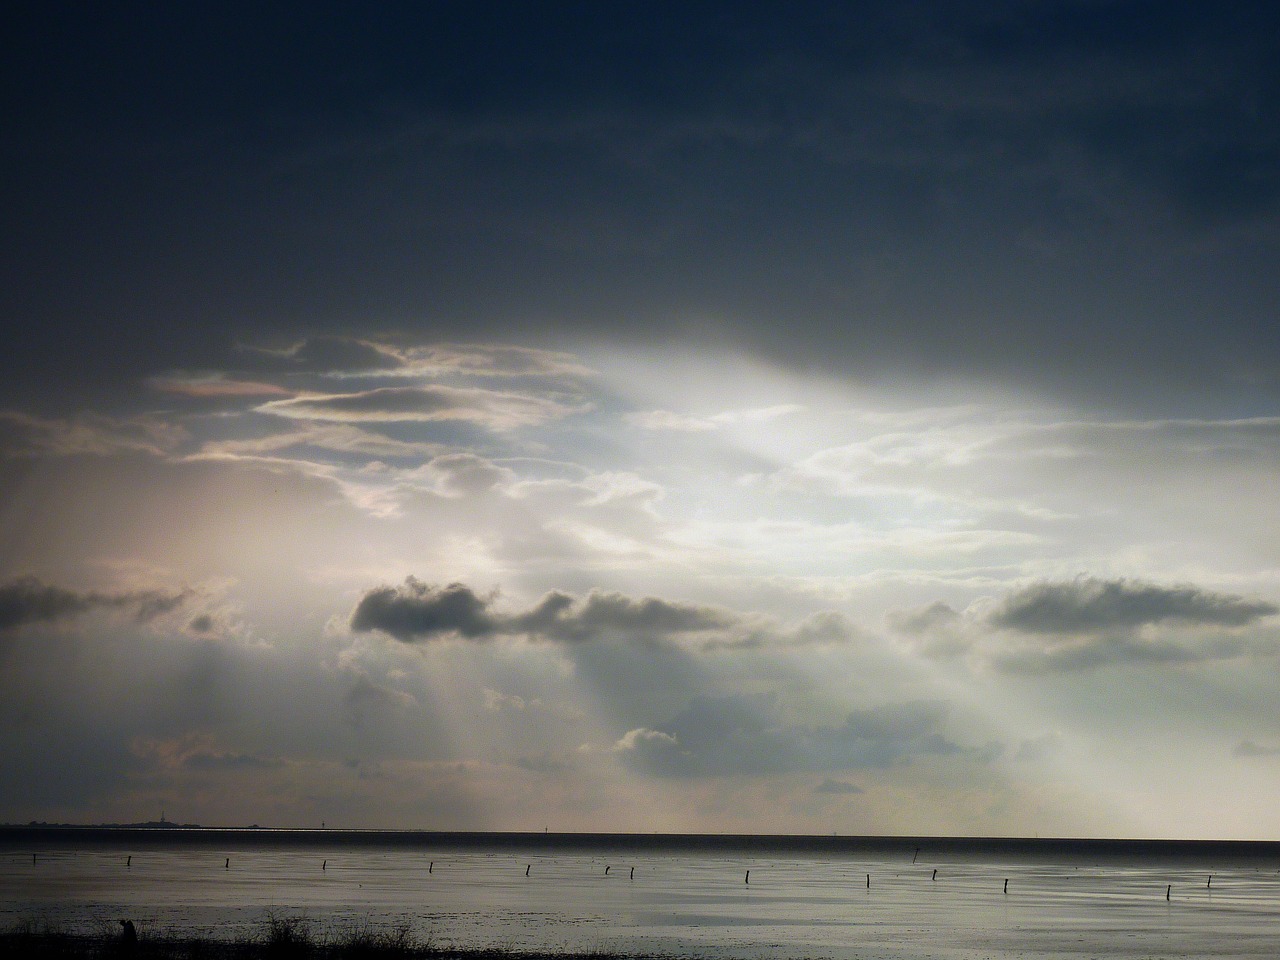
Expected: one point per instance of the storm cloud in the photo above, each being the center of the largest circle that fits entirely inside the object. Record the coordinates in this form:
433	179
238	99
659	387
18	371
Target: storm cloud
29	600
1089	623
1090	605
420	611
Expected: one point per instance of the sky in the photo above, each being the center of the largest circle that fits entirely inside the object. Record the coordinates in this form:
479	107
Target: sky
733	418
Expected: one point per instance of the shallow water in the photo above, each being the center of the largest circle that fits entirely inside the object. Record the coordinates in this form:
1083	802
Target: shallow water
687	903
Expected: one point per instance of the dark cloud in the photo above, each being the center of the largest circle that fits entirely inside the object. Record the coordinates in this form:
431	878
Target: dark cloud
746	736
923	620
421	611
1087	623
544	763
559	616
367	704
150	604
826	628
837	787
1089	605
1089	653
220	761
29	600
1247	748
1043	165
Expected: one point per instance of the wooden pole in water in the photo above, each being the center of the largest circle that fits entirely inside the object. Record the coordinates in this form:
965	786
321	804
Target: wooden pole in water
128	862
633	873
606	870
431	866
868	881
1168	890
227	865
1006	885
935	873
1210	883
527	868
325	865
914	855
747	878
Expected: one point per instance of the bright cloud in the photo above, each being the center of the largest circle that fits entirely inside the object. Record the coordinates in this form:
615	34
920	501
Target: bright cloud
495	410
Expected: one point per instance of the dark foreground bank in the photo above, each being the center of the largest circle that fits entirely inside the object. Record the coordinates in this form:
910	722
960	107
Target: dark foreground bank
280	939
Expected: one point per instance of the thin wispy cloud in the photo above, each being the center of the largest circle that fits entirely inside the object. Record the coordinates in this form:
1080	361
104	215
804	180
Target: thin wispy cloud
495	410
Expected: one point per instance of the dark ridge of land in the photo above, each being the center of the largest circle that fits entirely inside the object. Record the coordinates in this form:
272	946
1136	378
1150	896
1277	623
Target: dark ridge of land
47	835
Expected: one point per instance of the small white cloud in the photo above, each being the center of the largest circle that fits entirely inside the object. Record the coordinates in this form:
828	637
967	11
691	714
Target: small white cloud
497	702
642	738
666	420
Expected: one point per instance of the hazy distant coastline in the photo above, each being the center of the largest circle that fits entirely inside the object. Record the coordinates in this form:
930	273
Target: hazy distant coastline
148	825
165	832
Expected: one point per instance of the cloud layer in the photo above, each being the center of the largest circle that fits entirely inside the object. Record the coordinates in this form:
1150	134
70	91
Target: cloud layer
878	396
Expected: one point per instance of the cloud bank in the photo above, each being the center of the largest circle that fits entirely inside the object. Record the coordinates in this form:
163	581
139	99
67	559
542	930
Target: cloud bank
1088	622
1088	605
417	611
28	600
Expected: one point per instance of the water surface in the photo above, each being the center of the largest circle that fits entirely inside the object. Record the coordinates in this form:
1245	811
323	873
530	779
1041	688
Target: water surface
654	895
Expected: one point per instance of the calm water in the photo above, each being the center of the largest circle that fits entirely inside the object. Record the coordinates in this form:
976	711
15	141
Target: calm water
1076	902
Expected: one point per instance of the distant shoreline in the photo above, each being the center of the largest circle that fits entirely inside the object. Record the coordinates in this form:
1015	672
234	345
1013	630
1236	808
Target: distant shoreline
29	835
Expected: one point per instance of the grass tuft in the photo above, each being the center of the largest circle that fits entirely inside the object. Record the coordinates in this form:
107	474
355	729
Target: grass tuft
286	937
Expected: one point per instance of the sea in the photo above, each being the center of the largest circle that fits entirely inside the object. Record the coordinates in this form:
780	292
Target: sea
660	895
